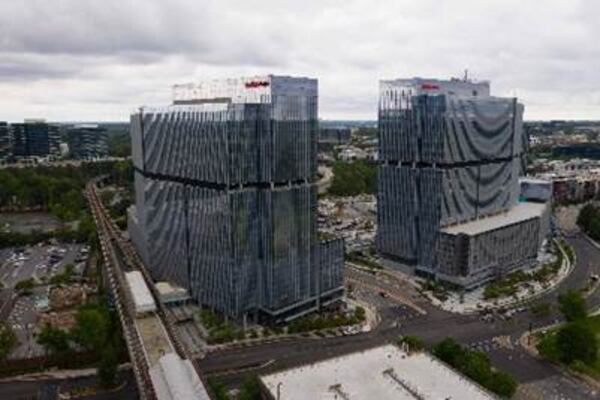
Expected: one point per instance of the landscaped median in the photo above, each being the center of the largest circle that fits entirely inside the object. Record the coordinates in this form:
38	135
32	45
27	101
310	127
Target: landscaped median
221	333
515	289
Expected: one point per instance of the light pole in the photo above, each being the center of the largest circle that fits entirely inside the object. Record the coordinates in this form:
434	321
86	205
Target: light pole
279	390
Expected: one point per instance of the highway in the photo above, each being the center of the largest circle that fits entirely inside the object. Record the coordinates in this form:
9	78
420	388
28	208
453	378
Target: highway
232	365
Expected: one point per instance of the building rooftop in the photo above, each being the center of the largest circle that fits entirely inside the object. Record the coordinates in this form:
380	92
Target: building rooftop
381	373
253	89
521	212
453	87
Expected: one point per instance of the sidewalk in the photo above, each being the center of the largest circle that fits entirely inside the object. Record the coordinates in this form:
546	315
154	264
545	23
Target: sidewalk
470	302
58	374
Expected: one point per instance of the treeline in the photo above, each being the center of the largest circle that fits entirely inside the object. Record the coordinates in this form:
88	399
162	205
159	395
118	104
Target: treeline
84	233
96	331
575	343
119	144
477	366
353	178
589	220
58	190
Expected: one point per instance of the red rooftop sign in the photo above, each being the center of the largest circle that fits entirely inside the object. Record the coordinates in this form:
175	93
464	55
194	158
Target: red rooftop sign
429	86
256	84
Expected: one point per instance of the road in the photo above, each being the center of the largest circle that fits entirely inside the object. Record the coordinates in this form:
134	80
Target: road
47	389
534	375
538	379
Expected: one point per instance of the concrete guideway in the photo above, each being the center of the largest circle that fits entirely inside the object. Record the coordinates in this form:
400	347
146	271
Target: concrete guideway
151	340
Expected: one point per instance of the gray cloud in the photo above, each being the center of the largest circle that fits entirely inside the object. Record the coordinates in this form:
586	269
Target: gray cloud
98	59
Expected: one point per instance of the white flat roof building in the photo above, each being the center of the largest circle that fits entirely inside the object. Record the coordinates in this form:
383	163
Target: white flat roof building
381	373
142	298
521	212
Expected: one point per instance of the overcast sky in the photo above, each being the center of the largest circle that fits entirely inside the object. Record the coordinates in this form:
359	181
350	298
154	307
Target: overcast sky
90	60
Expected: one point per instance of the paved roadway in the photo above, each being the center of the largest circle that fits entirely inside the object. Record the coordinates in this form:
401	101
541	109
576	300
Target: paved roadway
535	376
47	389
538	379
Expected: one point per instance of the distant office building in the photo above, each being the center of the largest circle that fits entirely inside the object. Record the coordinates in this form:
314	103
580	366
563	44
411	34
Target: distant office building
226	198
330	137
5	142
87	141
35	138
577	150
450	156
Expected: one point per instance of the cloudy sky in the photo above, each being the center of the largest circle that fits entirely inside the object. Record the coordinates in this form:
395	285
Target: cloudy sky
90	60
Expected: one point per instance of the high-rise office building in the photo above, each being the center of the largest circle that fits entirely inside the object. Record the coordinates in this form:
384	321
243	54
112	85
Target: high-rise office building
35	138
226	198
87	141
5	142
450	158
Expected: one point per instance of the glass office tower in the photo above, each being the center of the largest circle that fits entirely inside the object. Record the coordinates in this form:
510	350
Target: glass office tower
226	197
450	154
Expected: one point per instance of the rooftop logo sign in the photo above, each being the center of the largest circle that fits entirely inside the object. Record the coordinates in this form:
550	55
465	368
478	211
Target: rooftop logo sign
256	84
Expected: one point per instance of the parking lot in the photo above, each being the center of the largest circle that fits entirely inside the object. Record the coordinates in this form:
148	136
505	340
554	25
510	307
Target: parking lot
23	320
38	262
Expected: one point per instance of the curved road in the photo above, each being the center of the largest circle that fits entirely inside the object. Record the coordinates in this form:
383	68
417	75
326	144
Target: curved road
231	365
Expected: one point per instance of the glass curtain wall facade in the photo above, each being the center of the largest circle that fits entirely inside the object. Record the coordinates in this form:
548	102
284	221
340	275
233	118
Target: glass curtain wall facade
226	197
5	142
87	141
448	153
35	139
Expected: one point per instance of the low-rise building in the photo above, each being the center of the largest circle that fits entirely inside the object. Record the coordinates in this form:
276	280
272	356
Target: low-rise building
481	250
381	373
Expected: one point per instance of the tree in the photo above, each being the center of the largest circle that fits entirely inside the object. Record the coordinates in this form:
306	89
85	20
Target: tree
577	341
572	305
414	343
250	389
503	384
55	341
92	327
25	285
476	365
8	340
107	370
353	178
449	351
